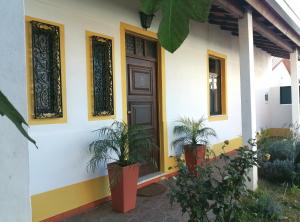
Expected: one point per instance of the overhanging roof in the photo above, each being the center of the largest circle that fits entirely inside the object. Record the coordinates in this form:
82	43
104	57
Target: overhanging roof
272	33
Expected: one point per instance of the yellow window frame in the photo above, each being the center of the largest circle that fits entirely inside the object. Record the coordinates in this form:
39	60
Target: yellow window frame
89	63
31	119
223	59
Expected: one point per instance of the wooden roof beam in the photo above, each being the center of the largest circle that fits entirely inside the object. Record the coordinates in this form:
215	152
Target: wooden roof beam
228	5
264	9
237	12
271	36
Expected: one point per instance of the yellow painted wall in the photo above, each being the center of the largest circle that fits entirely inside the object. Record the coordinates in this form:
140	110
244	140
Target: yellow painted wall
279	132
57	201
51	203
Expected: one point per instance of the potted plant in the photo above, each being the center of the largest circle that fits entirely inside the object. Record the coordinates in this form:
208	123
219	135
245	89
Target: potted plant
193	136
126	146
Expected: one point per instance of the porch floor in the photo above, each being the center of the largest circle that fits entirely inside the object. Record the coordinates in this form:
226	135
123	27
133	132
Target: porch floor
148	209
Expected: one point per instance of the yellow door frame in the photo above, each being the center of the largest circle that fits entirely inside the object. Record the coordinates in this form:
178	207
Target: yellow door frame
163	131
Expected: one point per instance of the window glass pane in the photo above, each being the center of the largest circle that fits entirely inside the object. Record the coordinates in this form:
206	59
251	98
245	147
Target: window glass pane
285	95
215	85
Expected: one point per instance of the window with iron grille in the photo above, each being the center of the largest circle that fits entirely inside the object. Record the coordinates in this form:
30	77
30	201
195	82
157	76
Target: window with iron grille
102	76
46	70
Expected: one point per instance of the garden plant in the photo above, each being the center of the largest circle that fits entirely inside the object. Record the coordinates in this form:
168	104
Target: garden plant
214	190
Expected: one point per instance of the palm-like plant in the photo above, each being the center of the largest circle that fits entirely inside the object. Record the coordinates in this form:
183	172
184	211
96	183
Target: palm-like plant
122	144
192	132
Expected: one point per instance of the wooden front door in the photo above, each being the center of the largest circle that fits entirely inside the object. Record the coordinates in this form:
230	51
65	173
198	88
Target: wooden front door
141	61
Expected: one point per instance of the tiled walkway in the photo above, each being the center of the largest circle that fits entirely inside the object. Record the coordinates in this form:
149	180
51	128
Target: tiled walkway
149	209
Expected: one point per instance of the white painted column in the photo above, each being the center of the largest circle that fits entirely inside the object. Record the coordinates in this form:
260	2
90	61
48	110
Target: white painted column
247	81
14	157
295	73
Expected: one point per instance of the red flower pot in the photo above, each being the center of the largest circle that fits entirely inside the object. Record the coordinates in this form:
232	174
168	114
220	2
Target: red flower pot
194	156
123	186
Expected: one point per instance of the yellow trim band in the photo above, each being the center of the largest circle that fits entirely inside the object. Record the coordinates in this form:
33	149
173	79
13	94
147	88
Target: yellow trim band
279	132
31	119
54	202
224	99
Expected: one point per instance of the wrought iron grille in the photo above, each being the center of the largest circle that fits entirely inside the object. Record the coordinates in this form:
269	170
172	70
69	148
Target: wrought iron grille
102	76
46	65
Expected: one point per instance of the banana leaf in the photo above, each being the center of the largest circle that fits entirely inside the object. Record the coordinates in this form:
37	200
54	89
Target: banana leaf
7	109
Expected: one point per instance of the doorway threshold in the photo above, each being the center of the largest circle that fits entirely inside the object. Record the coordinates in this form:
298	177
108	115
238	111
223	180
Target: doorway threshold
150	177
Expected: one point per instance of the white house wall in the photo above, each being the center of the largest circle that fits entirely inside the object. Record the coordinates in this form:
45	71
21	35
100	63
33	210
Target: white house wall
263	74
63	154
281	114
14	156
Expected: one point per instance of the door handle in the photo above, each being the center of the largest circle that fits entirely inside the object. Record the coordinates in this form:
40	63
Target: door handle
129	112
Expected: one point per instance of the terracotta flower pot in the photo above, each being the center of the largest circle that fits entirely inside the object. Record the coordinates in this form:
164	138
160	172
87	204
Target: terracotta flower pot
194	156
123	186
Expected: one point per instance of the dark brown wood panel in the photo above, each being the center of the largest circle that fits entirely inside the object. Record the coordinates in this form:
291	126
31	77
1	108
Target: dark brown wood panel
142	90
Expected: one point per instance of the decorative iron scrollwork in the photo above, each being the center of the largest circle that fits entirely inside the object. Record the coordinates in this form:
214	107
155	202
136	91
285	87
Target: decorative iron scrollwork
46	66
102	76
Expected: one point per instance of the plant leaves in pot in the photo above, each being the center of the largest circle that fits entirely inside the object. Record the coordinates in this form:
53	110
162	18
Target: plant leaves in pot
193	135
122	147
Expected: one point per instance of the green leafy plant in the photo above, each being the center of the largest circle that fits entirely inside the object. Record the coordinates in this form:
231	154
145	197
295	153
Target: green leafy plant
7	109
192	132
284	153
121	143
278	170
176	16
215	189
261	206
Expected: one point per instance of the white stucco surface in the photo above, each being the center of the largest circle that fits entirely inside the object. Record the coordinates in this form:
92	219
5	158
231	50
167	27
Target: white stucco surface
63	152
14	164
280	114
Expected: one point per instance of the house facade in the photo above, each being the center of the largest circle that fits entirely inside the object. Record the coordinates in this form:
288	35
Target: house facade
219	72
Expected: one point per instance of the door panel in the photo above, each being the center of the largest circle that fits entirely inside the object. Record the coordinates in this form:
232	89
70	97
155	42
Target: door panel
142	94
140	80
142	114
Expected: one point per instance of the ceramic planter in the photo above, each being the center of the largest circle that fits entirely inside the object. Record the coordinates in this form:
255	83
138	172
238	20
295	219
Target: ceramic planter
123	186
194	156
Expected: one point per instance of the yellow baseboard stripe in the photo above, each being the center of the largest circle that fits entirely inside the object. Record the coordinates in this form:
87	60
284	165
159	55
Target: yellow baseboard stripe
233	144
57	201
54	202
278	132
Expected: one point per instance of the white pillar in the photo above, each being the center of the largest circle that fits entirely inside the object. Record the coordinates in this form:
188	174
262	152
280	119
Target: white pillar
14	157
295	72
247	81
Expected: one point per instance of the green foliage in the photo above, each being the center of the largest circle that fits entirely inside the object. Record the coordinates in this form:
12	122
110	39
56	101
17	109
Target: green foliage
121	143
192	132
176	16
262	206
213	188
278	170
282	150
284	157
7	109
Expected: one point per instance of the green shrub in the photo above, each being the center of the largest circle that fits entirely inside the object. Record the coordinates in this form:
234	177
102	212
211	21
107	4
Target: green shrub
214	189
278	170
281	150
261	205
267	207
284	156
